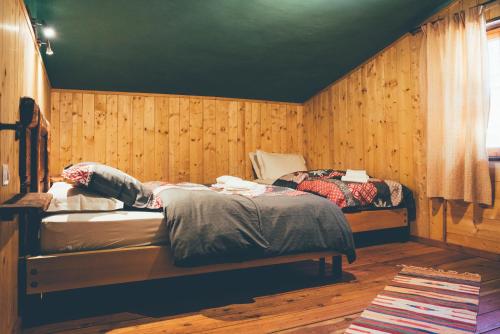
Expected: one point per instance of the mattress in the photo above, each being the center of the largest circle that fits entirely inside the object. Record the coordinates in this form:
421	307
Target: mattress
74	232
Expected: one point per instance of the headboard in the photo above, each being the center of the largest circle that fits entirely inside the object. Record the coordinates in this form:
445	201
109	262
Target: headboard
34	147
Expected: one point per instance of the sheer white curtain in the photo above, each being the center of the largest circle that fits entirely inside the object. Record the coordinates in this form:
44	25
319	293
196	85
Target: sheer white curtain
455	87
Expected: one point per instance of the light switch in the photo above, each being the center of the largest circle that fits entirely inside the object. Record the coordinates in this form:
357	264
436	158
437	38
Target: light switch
5	174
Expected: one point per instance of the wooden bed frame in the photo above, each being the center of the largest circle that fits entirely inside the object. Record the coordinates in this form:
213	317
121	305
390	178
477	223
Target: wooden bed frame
63	271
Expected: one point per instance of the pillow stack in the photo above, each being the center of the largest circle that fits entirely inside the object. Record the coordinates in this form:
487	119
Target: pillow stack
109	181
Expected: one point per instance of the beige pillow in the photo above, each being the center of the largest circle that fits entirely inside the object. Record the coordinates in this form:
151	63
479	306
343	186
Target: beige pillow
275	165
267	182
255	164
66	198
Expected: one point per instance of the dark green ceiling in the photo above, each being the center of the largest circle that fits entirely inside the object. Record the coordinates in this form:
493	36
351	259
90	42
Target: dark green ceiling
284	50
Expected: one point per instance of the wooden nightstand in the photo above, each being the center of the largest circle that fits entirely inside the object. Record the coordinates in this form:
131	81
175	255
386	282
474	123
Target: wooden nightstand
30	207
37	202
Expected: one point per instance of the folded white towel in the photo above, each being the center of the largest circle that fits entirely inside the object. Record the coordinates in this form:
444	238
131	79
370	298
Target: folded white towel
359	179
235	185
239	185
356	173
226	178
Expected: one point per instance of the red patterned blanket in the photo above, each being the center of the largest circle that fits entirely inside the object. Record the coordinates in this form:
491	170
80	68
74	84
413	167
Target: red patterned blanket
327	183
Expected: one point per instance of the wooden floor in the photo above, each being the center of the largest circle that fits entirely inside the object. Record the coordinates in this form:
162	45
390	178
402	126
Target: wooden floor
282	299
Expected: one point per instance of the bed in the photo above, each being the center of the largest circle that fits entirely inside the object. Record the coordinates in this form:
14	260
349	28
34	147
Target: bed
369	205
61	252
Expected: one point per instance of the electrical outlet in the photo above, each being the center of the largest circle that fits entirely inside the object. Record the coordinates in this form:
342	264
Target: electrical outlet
5	175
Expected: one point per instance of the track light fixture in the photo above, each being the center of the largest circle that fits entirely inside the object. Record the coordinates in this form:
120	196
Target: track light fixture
47	33
48	50
48	47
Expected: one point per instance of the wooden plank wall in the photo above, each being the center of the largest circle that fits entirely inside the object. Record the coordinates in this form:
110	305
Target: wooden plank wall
169	137
372	119
21	74
8	276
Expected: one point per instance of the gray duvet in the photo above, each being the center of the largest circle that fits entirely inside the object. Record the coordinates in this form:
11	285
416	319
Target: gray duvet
208	227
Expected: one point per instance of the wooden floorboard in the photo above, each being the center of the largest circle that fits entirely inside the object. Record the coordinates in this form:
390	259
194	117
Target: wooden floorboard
288	298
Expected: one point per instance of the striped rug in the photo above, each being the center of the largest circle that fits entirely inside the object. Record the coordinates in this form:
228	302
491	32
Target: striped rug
423	300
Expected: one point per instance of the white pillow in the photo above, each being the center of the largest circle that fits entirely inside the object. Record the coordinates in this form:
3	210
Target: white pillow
275	165
255	164
65	197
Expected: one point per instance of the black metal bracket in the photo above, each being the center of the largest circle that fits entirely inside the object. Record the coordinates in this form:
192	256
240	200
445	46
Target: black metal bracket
16	127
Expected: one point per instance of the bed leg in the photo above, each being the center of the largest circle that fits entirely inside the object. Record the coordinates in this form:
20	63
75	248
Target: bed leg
337	266
322	266
33	305
23	298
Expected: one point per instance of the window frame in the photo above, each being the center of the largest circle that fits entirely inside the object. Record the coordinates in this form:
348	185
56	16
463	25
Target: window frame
493	27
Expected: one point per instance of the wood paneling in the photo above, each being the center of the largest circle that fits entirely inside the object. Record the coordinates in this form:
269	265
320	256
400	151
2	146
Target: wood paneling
170	137
21	74
365	120
375	122
9	244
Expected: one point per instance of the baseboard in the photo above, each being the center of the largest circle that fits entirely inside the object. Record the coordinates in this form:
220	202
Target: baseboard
466	250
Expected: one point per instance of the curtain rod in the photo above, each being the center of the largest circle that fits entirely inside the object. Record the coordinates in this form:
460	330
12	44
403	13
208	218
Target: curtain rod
419	28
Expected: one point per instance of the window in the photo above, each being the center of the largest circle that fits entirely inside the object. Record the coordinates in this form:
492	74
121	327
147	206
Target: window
493	133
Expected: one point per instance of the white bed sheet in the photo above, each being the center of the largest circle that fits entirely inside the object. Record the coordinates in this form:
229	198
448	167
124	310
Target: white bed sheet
74	232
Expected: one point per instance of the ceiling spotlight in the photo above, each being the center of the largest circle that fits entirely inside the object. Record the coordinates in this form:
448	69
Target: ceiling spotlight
49	32
49	51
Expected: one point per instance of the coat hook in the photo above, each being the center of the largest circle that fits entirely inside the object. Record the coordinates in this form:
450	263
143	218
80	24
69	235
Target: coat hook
9	126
